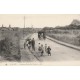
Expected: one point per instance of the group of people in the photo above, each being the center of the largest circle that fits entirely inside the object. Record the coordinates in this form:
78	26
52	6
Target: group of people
30	43
43	49
41	35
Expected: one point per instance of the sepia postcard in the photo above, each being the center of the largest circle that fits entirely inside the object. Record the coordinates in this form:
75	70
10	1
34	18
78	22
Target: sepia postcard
39	39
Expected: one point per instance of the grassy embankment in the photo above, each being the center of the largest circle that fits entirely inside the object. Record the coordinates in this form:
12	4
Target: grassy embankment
10	43
68	36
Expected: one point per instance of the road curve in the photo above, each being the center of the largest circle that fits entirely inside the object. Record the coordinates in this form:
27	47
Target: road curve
59	52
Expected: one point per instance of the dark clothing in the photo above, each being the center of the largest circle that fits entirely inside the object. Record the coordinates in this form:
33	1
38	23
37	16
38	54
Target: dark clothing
33	44
44	36
42	51
49	51
29	44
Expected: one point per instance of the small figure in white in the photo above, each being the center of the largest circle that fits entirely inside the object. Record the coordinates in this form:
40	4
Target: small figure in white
42	50
46	48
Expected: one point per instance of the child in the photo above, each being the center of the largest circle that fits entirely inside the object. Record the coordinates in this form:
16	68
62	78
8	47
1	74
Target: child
39	47
46	48
49	51
42	50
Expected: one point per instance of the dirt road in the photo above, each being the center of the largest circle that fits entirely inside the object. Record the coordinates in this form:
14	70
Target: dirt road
59	52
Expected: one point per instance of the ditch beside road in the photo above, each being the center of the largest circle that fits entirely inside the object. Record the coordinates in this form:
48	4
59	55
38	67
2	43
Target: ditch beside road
26	55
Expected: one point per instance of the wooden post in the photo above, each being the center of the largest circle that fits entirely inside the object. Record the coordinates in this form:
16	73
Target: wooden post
24	27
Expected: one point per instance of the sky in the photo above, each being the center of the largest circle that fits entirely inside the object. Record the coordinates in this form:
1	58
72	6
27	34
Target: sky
37	20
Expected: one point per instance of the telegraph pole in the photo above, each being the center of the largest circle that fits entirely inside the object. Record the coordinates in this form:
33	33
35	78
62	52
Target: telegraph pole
24	21
24	27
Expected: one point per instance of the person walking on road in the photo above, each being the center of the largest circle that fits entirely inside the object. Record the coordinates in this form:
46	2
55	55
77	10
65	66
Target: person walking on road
44	36
39	47
46	48
49	51
29	44
33	44
42	50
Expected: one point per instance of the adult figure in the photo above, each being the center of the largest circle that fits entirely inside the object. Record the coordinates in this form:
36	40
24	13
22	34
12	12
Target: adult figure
33	44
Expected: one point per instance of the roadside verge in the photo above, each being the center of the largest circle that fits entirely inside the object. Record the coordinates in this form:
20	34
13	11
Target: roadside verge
64	44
